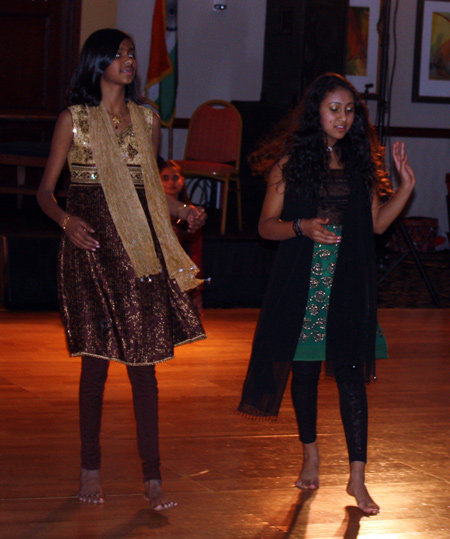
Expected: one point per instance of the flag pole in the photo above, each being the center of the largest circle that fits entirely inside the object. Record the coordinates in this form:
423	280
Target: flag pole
162	73
170	156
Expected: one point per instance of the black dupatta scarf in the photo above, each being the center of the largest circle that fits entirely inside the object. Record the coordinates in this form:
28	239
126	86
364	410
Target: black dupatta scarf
351	325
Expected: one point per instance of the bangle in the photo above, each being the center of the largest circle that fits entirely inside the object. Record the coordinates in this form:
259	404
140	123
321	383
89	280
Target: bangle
64	223
296	225
181	208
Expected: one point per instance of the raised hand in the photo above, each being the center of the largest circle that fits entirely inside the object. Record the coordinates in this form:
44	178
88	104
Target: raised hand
404	169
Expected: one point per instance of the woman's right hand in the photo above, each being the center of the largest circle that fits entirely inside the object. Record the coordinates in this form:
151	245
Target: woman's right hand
79	233
315	230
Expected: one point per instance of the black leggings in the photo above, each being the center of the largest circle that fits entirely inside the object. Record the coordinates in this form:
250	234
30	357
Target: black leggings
352	398
94	372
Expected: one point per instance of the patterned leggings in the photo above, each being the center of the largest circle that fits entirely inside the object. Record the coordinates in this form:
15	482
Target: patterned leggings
94	372
352	398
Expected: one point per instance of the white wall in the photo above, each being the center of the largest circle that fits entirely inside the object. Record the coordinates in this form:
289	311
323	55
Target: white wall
135	18
429	157
221	56
97	14
405	113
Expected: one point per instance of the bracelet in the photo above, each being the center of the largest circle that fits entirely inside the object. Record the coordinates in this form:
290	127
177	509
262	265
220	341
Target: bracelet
64	223
181	208
296	225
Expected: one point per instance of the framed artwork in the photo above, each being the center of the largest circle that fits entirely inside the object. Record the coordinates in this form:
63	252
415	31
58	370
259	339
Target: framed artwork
363	46
431	77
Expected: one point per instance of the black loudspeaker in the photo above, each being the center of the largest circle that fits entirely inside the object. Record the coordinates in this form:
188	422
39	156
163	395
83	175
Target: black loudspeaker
31	272
238	271
258	120
303	38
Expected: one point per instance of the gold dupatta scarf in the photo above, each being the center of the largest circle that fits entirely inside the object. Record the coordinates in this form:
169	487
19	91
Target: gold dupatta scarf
125	207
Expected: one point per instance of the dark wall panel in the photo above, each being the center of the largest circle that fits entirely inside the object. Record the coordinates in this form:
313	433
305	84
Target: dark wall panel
303	38
40	43
31	273
24	84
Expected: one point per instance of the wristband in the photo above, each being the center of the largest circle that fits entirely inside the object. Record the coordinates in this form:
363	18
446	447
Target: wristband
296	225
181	208
64	223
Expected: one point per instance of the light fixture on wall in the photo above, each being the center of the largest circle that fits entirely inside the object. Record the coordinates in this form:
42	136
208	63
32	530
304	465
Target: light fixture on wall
219	7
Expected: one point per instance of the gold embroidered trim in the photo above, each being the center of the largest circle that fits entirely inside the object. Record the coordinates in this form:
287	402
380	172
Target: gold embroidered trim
125	207
106	358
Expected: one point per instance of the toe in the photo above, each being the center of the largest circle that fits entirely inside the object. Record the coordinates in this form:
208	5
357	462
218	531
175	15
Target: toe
164	506
370	509
307	484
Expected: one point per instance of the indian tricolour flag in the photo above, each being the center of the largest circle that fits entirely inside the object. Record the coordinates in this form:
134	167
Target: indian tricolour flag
162	76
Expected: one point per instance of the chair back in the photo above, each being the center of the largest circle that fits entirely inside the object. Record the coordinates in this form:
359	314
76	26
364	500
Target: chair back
215	132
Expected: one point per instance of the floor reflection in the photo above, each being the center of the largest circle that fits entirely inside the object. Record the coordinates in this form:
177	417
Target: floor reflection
248	490
298	516
351	522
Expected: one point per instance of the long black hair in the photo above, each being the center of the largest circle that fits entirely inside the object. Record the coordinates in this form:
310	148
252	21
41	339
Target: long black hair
303	141
98	52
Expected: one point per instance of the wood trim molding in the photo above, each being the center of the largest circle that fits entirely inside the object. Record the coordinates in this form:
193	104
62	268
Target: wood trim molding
183	123
395	131
28	118
419	132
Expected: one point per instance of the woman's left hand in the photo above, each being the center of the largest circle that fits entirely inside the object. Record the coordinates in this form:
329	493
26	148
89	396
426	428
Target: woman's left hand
196	217
383	215
404	169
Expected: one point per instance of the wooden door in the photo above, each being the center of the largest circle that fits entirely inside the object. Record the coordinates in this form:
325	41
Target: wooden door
40	43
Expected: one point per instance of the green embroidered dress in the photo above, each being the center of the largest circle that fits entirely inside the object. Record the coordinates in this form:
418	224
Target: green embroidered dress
312	340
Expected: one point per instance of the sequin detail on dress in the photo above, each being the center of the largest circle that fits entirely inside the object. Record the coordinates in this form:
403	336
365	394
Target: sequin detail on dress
107	312
323	266
333	203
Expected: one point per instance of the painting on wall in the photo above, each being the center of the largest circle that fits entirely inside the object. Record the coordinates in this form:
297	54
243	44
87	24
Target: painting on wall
431	79
363	45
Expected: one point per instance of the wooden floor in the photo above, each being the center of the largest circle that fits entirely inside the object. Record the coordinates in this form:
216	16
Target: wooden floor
232	478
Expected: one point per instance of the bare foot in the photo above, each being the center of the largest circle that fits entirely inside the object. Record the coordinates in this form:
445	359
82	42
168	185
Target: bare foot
357	488
154	495
90	489
309	476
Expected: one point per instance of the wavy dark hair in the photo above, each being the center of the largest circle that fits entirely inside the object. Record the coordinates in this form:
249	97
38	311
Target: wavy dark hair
98	52
301	138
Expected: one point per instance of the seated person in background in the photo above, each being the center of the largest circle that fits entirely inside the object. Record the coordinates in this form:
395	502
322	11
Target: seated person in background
173	182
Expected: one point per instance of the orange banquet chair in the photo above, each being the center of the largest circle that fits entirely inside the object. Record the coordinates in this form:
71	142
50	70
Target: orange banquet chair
213	150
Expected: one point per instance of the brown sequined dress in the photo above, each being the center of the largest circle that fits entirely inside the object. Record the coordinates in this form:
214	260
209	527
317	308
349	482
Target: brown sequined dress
106	310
